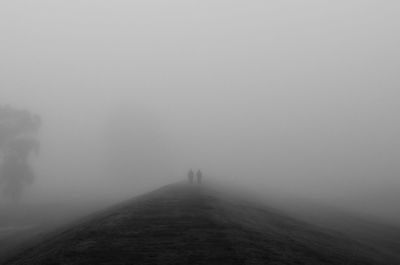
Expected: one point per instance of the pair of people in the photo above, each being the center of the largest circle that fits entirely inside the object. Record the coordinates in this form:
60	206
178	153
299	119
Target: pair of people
199	176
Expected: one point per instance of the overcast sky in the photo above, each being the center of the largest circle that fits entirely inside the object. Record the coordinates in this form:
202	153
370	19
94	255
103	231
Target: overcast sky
300	96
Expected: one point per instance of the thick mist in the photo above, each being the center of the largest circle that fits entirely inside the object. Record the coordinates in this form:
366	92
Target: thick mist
291	97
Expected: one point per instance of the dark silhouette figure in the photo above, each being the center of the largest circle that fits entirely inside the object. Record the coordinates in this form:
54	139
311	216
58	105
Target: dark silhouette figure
191	176
199	176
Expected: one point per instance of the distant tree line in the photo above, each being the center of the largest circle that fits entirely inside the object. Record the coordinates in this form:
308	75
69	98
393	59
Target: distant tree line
18	139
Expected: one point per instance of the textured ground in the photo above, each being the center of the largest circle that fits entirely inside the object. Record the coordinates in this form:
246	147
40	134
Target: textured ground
185	224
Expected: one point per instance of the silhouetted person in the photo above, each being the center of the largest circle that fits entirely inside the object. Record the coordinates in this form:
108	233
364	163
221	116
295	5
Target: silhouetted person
199	176
191	176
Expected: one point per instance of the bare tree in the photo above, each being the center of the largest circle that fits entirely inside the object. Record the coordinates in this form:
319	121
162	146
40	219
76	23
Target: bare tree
18	139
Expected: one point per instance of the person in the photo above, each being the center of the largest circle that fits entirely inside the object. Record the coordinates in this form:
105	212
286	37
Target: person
199	176
190	176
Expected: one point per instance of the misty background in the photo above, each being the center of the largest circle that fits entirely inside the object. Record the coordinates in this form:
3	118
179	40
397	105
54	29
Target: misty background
282	97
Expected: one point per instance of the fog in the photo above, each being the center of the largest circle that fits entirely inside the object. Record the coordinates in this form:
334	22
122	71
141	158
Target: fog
291	97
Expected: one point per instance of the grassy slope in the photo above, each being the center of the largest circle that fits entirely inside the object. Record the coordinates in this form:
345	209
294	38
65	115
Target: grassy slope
181	224
26	221
363	228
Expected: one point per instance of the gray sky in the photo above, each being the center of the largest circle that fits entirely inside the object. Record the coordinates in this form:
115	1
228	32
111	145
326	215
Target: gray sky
300	96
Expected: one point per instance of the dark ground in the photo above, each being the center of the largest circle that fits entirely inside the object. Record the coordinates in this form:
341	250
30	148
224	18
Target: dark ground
185	224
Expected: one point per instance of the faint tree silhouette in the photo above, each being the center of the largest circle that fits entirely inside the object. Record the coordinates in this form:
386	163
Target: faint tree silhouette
18	139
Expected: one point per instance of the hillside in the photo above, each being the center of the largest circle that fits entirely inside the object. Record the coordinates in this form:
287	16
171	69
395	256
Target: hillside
184	224
20	223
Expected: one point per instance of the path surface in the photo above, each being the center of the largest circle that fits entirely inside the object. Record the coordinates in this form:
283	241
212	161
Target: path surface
188	224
